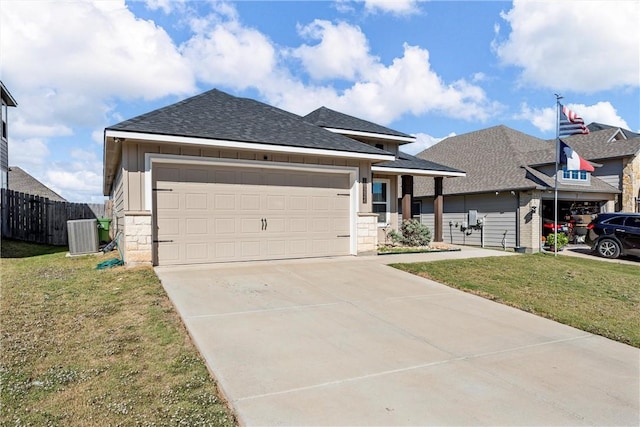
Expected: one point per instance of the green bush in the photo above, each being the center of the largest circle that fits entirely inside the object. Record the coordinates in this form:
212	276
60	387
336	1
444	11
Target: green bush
412	233
563	240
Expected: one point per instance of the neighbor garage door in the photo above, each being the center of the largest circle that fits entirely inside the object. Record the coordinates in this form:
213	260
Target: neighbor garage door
219	213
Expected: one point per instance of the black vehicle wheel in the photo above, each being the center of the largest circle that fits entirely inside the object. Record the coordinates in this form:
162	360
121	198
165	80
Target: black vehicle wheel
608	248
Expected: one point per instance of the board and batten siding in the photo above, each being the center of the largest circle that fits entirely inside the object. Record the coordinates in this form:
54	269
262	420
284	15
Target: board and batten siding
117	218
133	165
497	211
610	172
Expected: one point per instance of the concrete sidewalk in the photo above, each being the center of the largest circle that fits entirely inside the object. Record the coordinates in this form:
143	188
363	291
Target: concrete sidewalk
351	341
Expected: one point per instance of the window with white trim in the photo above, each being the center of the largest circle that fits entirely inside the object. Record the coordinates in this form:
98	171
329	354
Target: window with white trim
381	200
571	175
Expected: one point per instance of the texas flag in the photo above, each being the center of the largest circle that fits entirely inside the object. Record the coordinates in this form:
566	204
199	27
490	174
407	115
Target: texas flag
573	161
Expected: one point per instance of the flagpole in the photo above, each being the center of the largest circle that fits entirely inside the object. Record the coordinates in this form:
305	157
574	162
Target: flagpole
555	196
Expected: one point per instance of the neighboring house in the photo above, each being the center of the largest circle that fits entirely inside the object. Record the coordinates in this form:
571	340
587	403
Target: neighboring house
6	101
220	178
510	184
22	182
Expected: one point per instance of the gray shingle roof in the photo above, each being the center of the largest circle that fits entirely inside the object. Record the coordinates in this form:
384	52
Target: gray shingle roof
407	161
593	127
218	115
492	159
327	118
594	146
499	159
22	182
596	185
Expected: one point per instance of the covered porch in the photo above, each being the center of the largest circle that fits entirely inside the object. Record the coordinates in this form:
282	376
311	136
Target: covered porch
392	192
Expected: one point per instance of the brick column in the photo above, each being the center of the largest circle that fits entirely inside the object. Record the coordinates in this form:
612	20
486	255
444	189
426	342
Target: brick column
137	244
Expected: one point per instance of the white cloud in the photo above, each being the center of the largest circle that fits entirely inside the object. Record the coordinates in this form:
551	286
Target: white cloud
385	93
28	153
396	7
226	53
545	118
342	53
423	141
585	46
82	54
75	185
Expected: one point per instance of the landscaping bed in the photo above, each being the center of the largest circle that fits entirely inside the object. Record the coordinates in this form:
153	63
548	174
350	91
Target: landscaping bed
433	247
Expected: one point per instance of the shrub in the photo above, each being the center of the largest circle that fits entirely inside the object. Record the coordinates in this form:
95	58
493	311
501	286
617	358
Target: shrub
412	233
563	240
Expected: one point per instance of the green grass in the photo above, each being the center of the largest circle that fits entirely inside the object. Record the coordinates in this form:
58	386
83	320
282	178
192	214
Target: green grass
595	296
86	347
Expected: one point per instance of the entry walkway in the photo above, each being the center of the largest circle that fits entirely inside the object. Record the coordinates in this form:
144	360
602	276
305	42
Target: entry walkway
351	341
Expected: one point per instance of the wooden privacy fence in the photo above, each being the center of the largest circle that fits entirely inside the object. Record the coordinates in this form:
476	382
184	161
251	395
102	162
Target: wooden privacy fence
40	220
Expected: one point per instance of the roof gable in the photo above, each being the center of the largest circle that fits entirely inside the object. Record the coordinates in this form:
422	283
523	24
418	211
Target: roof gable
22	182
327	118
220	116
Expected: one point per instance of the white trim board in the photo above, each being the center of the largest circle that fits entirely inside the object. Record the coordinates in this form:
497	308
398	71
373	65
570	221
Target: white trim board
253	146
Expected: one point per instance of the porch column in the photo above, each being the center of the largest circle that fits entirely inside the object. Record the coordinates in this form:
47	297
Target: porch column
407	196
437	210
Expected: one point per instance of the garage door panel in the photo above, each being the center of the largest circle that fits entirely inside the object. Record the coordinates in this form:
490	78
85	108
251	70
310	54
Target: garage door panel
168	226
250	202
224	201
224	226
167	200
197	201
196	252
220	218
196	226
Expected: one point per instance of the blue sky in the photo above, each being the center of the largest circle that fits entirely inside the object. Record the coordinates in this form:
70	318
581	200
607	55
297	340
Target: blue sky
431	69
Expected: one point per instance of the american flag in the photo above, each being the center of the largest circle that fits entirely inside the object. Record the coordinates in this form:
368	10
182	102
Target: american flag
571	123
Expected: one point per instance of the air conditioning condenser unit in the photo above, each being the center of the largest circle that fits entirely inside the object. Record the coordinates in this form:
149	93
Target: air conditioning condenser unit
83	236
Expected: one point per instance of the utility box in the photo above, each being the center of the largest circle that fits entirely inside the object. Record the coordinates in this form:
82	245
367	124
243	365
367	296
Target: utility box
473	218
83	236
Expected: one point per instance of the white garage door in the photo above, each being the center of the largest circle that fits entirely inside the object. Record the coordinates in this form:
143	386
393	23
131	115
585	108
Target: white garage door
219	213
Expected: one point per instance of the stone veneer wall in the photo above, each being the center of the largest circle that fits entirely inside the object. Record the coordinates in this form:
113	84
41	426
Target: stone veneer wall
530	221
630	184
367	233
137	238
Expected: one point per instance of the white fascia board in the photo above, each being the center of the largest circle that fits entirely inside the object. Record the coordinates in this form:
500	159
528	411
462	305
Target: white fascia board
421	172
372	135
221	143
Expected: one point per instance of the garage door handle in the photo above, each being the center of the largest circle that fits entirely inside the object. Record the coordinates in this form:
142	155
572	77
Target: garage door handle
265	224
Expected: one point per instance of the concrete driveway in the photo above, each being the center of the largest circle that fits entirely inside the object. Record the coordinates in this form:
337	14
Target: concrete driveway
351	341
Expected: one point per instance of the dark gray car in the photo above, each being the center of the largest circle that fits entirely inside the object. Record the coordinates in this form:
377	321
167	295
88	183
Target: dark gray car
614	234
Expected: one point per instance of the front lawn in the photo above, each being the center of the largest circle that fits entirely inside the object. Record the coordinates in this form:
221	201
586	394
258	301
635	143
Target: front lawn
595	296
86	347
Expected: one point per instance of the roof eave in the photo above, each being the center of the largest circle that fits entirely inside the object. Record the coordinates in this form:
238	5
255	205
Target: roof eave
396	138
417	172
243	145
6	96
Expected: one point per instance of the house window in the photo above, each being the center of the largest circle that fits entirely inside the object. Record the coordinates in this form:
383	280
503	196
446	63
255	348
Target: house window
381	200
572	175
